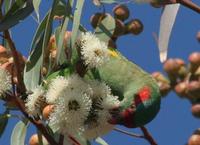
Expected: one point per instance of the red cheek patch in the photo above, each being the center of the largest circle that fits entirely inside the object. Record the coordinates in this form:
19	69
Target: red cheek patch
143	95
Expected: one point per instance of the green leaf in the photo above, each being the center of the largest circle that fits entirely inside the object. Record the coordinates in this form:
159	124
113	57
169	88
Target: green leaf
106	28
3	122
36	5
33	66
75	28
101	141
19	133
39	46
61	57
7	5
109	1
76	23
15	15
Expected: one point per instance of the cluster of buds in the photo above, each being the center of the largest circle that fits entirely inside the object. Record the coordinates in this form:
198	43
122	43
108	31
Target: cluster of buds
183	79
121	14
7	62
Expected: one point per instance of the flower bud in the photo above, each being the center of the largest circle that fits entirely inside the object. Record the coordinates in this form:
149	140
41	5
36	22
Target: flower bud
164	89
96	19
47	111
121	12
34	140
156	4
198	36
181	89
193	89
195	109
135	27
159	77
194	59
171	66
194	139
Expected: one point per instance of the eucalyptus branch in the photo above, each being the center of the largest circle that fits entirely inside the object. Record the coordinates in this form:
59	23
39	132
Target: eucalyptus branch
39	125
148	136
187	3
128	133
15	55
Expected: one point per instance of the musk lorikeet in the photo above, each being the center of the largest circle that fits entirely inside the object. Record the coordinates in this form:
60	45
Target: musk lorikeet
137	90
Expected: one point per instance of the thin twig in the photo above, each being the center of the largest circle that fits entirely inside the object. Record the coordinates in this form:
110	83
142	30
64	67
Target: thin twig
15	55
61	140
187	3
148	136
128	133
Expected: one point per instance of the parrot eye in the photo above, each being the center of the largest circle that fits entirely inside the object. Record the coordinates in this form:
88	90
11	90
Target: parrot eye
143	95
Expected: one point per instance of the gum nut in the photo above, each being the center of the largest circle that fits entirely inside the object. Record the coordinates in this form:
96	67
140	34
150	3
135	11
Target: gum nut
135	26
194	58
34	140
195	109
120	28
194	140
96	19
181	88
47	111
171	66
198	36
121	12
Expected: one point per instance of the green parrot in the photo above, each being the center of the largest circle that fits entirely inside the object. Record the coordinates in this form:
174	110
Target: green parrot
138	92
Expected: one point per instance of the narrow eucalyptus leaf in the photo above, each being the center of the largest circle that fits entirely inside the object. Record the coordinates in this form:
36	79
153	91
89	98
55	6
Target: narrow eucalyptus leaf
48	28
14	6
33	66
75	28
12	19
18	134
76	21
166	25
36	5
61	57
101	141
7	5
109	1
39	46
106	28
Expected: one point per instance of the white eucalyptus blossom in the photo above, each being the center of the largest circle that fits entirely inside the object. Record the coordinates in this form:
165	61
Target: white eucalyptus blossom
55	88
94	52
102	101
5	81
71	107
35	102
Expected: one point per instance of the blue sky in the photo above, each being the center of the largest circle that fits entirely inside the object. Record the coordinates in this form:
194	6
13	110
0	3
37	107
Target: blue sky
174	124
